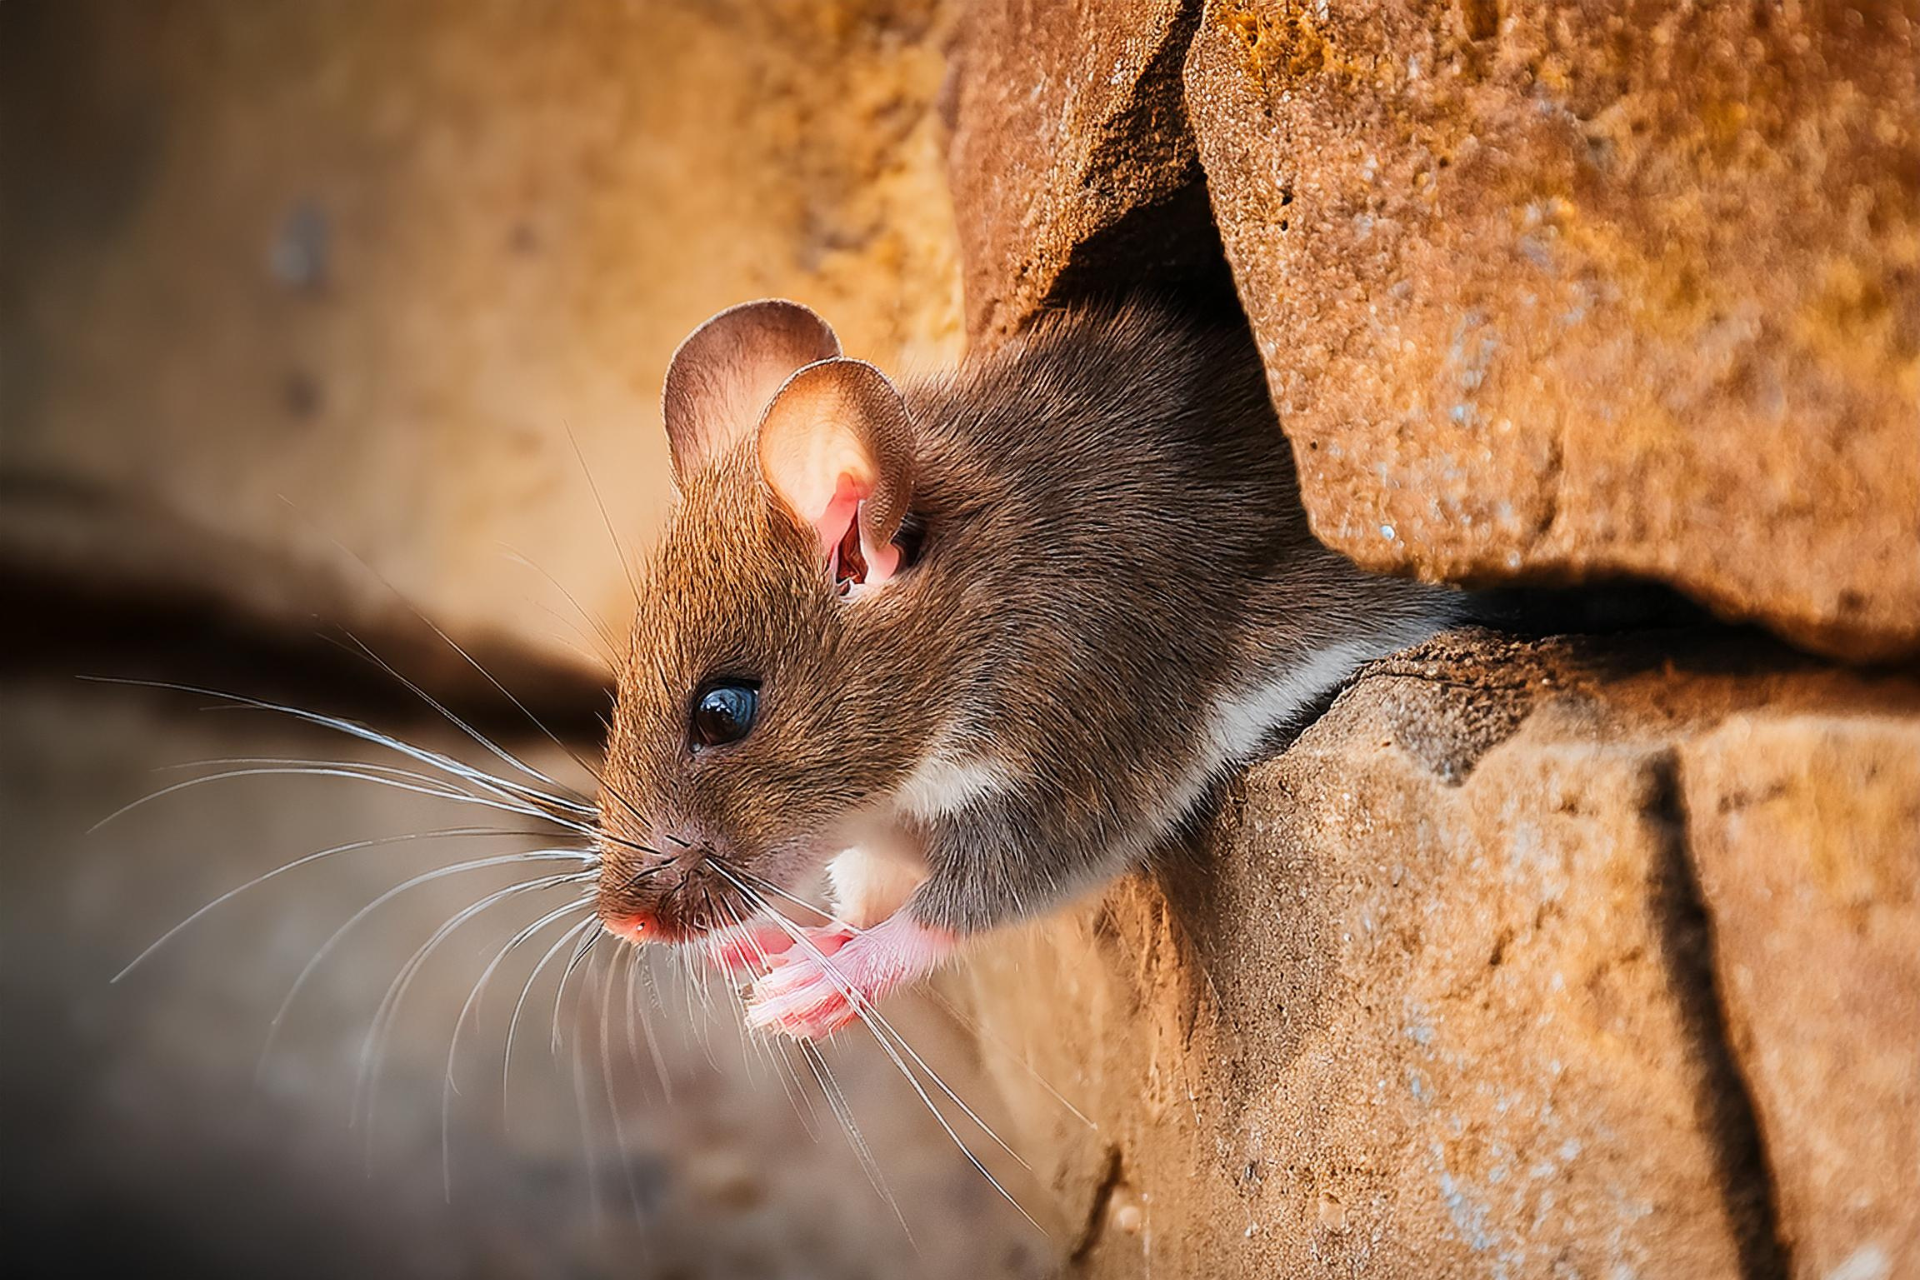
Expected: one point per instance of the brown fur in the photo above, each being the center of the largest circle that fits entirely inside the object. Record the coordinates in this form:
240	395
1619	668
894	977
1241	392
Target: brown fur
1112	544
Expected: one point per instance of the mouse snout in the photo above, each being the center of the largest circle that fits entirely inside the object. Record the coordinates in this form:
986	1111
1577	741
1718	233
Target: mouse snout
652	892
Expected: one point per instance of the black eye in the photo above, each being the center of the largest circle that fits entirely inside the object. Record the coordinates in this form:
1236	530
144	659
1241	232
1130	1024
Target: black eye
723	712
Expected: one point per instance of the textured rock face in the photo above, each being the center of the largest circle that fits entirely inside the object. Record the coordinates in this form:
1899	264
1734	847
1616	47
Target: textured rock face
1545	293
1070	153
367	273
1559	291
1442	1000
1806	831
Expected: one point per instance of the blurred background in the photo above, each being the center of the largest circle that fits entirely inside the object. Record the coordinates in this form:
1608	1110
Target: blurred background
318	321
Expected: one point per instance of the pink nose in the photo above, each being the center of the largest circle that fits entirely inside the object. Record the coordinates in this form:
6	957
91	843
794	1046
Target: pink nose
636	926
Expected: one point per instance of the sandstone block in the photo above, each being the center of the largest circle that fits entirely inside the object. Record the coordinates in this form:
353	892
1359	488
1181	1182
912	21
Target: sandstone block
1559	292
1806	832
1070	152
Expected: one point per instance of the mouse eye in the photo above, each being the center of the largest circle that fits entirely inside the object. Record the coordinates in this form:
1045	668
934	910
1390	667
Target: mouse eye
723	712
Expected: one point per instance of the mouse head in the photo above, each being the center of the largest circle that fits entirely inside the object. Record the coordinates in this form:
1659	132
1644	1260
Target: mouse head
760	707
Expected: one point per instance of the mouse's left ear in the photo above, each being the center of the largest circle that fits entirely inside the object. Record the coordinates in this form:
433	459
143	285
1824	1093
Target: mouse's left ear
728	369
836	446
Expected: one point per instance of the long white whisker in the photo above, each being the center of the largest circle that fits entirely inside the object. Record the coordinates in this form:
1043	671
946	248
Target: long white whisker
373	1048
599	624
635	1014
586	1128
448	1086
425	877
502	789
763	885
354	729
358	775
581	952
518	705
606	1081
973	1026
646	1025
884	1036
771	1049
836	1100
620	552
753	1052
229	895
499	752
513	1023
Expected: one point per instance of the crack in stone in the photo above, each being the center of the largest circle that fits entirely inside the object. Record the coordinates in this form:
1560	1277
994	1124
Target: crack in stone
1733	1129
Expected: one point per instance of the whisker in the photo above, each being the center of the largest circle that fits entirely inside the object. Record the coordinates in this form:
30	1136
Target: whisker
354	729
751	1047
373	1049
521	799
766	1045
761	883
448	1085
334	940
884	1036
488	676
513	1023
620	552
586	1132
646	1023
837	1101
606	1081
492	748
508	694
777	1051
589	649
585	948
599	624
231	894
974	1027
358	774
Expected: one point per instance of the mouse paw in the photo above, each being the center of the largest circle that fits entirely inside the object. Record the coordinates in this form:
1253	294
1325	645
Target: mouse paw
815	991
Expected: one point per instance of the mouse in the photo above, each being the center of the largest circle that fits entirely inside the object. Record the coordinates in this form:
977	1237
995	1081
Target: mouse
957	649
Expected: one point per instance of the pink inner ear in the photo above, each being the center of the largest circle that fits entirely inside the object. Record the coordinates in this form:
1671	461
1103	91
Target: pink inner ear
852	557
842	510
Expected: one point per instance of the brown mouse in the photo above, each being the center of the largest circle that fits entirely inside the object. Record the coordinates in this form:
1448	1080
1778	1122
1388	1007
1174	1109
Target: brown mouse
970	646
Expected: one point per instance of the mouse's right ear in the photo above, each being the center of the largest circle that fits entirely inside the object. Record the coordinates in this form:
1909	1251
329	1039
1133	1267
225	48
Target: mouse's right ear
837	449
726	372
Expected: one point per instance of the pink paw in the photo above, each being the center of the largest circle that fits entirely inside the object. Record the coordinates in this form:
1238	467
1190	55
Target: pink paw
822	986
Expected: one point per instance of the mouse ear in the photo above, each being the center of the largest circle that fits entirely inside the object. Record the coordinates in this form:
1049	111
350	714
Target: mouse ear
727	370
836	446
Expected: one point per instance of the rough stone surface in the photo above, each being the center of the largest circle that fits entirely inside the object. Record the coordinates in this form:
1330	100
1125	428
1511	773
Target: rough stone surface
279	278
1806	831
1070	153
1439	997
1551	292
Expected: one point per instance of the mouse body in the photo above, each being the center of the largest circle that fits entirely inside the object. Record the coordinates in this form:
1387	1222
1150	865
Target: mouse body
968	647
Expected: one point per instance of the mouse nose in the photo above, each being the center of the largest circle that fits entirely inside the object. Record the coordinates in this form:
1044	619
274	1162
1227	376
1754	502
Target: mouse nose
634	926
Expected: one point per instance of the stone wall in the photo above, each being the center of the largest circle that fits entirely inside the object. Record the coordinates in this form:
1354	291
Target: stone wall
1545	958
1527	959
1545	295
